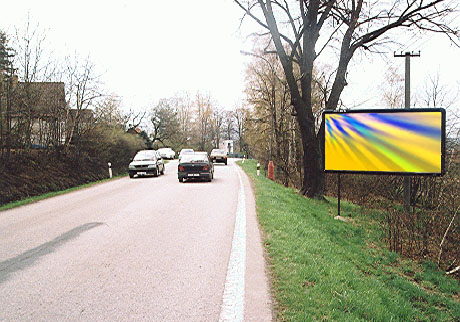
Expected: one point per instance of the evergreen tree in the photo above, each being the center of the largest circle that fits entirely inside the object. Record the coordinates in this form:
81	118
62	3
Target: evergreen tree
6	55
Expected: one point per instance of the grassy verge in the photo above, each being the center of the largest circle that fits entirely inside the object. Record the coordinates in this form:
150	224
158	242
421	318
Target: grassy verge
328	270
54	193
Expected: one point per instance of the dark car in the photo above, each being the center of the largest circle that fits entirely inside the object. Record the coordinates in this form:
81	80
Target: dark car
195	166
146	162
219	155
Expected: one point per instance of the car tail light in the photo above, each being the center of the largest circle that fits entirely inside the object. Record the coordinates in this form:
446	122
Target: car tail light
205	168
181	168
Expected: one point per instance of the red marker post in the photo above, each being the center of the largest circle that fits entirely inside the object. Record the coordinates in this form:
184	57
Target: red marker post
271	170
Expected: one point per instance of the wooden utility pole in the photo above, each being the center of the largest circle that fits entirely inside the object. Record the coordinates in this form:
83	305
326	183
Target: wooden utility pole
407	55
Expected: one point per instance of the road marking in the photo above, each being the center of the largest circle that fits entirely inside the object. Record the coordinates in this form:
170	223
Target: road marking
233	299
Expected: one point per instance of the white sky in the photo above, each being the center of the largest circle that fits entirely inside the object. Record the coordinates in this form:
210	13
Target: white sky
147	50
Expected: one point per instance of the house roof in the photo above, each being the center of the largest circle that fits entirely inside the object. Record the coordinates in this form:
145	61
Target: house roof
42	97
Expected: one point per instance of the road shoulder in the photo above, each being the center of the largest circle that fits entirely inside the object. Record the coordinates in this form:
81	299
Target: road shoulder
258	300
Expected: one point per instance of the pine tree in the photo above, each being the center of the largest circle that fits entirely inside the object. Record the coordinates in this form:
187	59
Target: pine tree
6	73
6	55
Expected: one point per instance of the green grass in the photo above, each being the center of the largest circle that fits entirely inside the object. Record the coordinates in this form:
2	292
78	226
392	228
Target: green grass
327	270
54	193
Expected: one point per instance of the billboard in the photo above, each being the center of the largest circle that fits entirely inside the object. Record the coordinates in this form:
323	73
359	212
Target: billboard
385	141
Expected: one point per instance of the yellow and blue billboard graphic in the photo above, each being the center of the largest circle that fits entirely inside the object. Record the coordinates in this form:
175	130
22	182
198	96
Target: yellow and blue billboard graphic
387	141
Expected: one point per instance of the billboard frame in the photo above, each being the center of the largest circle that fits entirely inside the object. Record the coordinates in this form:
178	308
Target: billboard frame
390	111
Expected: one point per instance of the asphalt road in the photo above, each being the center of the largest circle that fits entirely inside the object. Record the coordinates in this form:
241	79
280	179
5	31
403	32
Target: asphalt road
145	249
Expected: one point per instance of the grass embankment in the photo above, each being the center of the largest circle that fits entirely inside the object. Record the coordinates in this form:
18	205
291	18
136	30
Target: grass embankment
54	193
328	270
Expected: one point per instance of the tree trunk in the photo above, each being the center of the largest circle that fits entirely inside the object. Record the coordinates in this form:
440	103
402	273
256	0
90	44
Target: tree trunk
313	178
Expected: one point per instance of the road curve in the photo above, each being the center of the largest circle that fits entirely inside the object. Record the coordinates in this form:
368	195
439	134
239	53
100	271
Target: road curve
145	249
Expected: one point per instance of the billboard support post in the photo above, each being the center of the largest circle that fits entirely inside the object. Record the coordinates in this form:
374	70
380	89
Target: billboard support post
338	194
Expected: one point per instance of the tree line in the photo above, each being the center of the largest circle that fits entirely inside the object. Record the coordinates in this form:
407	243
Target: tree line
196	122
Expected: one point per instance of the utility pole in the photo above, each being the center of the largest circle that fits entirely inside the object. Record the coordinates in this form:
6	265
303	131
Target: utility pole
408	56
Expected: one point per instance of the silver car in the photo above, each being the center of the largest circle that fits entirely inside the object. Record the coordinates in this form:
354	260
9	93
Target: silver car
146	162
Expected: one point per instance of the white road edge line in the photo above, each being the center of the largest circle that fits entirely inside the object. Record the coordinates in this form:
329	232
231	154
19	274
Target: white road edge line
233	299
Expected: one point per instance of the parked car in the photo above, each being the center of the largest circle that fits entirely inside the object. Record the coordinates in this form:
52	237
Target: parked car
167	153
195	166
219	155
185	151
146	162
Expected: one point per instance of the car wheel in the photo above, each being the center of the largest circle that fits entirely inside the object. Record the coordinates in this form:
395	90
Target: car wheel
181	179
155	174
162	170
131	175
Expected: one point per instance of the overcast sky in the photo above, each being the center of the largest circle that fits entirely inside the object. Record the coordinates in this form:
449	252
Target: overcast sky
147	50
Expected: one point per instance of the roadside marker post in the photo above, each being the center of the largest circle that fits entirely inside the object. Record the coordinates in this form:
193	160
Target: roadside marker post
110	169
258	169
271	170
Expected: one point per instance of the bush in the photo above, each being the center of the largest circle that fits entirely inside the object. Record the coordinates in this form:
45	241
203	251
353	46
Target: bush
112	144
28	175
435	206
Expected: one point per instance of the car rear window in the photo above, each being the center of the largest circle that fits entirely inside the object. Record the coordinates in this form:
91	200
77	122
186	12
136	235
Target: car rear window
194	158
217	152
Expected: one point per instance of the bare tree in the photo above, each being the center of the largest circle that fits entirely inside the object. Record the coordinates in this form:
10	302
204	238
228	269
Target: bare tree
228	125
436	93
34	123
184	107
202	121
108	111
393	88
217	122
33	61
295	28
240	121
83	91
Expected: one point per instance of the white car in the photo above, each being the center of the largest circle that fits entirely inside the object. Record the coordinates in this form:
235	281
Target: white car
167	153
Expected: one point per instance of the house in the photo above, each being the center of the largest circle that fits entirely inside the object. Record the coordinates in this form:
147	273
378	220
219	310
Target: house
36	115
32	113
